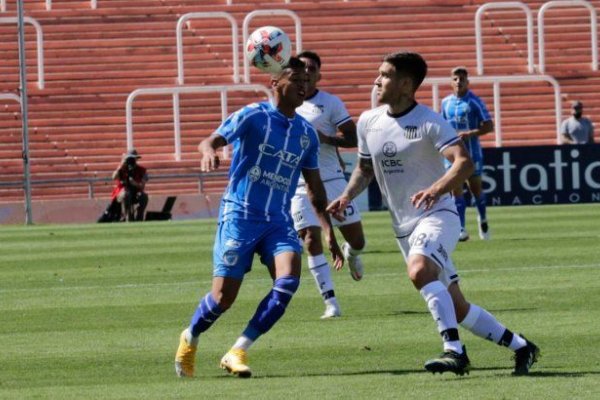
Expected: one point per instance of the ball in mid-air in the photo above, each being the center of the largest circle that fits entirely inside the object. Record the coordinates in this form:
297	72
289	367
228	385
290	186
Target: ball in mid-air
268	48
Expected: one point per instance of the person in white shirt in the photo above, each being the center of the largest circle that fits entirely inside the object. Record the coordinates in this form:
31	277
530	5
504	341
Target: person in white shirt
328	114
577	129
403	145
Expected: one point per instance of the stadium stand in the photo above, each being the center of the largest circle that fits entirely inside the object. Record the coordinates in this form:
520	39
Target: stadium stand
94	58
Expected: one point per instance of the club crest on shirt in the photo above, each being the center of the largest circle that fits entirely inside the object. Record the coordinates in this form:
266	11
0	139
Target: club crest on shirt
304	142
389	149
411	132
254	173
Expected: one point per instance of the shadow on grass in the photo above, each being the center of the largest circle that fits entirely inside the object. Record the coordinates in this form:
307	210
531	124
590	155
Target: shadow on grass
426	312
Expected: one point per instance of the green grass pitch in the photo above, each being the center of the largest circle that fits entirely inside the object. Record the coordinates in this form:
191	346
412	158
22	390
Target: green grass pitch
95	311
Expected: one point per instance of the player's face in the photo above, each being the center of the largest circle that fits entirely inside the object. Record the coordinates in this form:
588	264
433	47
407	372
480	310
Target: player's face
313	73
460	84
291	88
391	88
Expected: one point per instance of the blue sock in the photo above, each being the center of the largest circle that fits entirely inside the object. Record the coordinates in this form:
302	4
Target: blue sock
461	207
272	307
480	202
207	312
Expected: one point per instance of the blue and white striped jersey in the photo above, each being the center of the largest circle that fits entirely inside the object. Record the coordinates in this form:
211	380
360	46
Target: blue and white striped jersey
269	152
466	113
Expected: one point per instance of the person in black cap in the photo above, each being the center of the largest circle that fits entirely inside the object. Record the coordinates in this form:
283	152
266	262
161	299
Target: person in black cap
577	129
131	180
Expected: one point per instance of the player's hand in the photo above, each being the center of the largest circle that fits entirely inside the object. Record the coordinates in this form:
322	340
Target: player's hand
209	161
425	198
464	135
323	138
337	208
336	254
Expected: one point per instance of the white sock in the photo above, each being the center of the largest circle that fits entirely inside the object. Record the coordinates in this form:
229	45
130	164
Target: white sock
483	324
351	252
243	343
190	339
321	271
441	308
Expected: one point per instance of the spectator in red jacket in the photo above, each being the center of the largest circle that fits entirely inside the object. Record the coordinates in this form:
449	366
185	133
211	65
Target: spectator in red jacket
130	180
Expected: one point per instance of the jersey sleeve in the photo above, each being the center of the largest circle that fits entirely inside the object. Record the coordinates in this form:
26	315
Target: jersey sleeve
361	130
481	110
311	161
339	113
563	127
443	134
238	123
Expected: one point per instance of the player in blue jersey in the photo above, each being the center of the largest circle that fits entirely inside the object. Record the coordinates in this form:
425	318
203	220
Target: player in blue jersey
468	114
272	146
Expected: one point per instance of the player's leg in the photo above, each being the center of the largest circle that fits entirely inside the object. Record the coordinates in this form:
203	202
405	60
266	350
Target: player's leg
142	200
483	324
232	258
352	248
280	251
461	208
307	225
475	187
427	251
351	229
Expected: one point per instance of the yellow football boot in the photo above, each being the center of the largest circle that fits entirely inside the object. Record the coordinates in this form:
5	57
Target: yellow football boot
185	358
236	363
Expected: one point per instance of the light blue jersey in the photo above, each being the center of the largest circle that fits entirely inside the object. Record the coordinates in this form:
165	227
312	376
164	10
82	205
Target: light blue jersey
269	152
464	114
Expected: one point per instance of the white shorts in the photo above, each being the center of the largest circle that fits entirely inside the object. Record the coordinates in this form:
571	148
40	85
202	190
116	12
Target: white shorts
435	237
304	214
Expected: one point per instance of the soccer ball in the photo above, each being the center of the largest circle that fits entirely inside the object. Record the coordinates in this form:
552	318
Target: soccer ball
268	48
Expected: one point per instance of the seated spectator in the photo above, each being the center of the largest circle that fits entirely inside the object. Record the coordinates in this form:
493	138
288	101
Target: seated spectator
577	129
130	180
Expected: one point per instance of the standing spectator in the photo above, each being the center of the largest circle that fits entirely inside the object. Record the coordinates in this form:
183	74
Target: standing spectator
328	115
577	129
402	144
470	118
272	147
131	180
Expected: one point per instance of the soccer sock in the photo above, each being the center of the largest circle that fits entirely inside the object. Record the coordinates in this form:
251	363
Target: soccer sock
349	251
481	206
461	207
483	324
321	271
440	305
206	314
243	343
272	307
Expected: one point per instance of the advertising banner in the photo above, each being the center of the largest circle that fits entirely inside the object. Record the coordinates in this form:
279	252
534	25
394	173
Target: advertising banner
542	174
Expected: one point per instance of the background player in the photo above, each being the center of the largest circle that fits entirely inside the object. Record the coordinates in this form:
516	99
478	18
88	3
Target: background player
468	114
329	117
416	186
272	146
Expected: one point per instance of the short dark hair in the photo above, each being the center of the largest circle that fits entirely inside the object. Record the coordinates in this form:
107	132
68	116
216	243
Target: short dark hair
294	63
311	55
409	63
459	71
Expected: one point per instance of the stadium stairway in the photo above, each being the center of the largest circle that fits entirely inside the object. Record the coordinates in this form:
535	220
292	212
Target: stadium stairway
95	58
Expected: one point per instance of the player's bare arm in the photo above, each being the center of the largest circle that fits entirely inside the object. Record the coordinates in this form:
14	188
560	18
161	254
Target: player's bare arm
209	160
484	128
361	177
318	198
345	137
462	167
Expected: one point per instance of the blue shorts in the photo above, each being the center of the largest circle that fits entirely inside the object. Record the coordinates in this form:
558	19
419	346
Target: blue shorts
236	242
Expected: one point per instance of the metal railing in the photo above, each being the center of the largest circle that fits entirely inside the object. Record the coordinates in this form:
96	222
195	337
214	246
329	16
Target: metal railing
202	178
40	44
478	31
245	33
222	89
495	80
593	28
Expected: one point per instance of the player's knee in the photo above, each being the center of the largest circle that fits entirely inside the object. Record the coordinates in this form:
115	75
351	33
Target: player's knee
420	272
357	242
312	241
285	287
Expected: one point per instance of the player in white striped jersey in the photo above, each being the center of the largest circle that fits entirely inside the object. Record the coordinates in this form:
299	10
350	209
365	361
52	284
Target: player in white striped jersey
403	145
328	114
